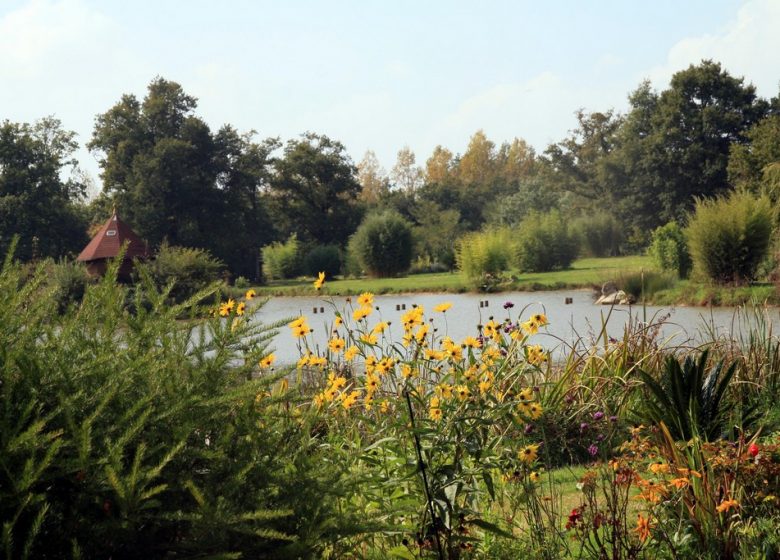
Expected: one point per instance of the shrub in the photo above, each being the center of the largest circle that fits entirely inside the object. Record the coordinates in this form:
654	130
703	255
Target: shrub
242	283
190	270
148	437
484	253
383	244
544	243
729	236
600	234
282	260
322	258
669	249
70	280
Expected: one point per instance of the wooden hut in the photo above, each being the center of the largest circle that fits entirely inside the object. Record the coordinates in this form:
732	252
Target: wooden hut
106	245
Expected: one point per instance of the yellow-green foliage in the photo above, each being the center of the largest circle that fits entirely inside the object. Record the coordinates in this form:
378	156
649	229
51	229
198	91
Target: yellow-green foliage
282	260
729	236
485	252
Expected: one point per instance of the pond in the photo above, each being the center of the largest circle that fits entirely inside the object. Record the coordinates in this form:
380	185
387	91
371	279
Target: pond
579	322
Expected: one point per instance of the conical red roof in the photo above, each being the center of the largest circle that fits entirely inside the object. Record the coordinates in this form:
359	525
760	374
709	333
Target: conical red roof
109	240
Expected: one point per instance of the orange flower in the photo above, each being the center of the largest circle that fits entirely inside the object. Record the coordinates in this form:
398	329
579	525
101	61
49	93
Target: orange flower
726	505
643	527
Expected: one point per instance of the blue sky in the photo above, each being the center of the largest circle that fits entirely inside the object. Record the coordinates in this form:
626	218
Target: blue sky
375	75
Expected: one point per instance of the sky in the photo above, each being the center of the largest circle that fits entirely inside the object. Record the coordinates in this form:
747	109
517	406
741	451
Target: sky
376	75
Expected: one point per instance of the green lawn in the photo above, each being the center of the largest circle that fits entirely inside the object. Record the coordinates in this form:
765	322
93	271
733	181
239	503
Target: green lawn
583	273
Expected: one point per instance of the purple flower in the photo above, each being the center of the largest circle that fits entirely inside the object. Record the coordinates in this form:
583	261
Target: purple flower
508	305
613	419
593	449
598	415
584	426
600	437
528	429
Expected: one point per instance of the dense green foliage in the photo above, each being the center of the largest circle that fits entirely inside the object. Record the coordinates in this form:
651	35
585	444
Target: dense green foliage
185	270
729	236
669	249
37	202
282	260
322	258
383	244
544	242
143	436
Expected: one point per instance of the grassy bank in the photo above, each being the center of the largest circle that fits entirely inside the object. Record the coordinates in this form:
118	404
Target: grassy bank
584	273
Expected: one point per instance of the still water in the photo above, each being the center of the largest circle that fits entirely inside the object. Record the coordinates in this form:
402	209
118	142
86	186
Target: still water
579	322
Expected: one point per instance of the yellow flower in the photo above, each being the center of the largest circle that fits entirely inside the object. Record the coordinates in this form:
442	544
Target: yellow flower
338	322
421	333
530	327
659	468
336	382
372	383
361	313
443	307
462	392
349	400
384	406
444	390
301	330
368	338
303	361
379	328
484	386
319	281
435	414
490	328
471	342
336	345
240	308
525	395
529	453
534	410
385	365
534	476
267	361
225	308
412	318
316	361
642	527
433	354
470	373
540	319
297	322
726	505
351	352
366	299
250	294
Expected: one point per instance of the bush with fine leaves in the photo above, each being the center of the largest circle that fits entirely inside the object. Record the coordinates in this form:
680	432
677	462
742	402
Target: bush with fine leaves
323	258
669	249
544	243
282	260
730	236
188	270
144	436
383	244
601	234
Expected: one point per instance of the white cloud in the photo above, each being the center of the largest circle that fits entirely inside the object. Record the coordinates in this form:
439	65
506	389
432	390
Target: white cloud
747	46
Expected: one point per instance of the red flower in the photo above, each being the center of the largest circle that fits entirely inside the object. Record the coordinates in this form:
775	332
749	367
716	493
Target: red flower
753	450
574	517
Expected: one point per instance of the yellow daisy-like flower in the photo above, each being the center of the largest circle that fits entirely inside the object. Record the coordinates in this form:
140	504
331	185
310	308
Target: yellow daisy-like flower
368	338
362	312
366	299
318	361
484	386
540	319
534	410
224	309
349	400
435	355
421	333
379	328
338	321
303	361
471	342
470	373
268	361
372	383
301	330
443	307
297	322
529	453
240	308
336	345
534	476
319	281
406	371
444	390
525	395
435	414
530	327
351	352
462	392
250	294
319	400
384	406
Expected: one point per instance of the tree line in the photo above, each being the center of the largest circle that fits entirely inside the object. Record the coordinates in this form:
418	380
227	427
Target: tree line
175	180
